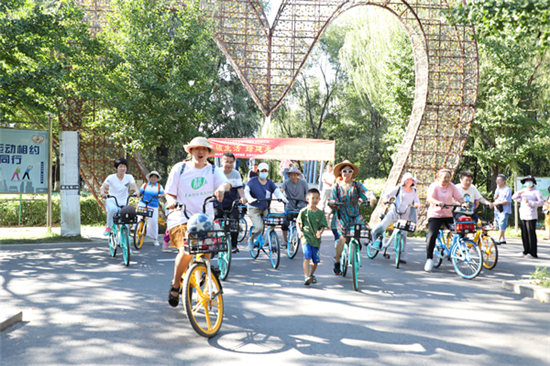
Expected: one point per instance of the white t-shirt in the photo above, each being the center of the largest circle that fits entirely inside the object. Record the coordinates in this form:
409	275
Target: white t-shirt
471	196
119	188
328	177
191	188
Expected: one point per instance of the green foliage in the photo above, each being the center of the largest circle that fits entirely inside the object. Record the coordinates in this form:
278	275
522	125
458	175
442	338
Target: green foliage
541	276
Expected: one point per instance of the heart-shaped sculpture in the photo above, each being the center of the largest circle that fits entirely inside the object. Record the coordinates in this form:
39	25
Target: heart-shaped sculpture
269	58
38	139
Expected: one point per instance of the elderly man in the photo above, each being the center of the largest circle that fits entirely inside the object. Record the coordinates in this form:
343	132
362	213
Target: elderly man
295	190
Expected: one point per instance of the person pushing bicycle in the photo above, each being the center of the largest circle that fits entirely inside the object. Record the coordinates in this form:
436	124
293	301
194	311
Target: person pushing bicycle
189	183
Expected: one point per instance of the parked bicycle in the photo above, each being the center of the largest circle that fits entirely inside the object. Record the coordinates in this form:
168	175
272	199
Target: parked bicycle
243	225
120	231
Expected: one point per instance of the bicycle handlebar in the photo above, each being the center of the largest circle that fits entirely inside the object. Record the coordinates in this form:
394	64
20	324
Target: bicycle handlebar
127	199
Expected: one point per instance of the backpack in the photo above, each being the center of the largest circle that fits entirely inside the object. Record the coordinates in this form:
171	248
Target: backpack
183	167
145	185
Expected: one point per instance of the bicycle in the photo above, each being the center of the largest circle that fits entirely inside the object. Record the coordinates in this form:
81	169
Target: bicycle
351	256
139	231
270	222
396	237
121	236
464	253
243	225
229	226
293	239
201	291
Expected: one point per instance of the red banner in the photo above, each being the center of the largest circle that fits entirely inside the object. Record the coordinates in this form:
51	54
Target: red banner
276	149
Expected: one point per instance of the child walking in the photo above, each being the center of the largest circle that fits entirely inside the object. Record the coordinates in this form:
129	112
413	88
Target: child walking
310	224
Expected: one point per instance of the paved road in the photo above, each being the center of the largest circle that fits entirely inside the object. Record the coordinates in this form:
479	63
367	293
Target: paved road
82	307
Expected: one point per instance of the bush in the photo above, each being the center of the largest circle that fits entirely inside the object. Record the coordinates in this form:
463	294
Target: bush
34	213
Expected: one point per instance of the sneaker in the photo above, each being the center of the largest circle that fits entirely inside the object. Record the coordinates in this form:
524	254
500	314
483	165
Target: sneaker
308	281
336	269
404	257
314	279
521	254
502	242
376	244
107	231
283	246
235	250
156	242
429	265
528	255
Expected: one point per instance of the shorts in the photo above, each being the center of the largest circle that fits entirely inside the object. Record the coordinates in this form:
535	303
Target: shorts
311	253
502	220
177	234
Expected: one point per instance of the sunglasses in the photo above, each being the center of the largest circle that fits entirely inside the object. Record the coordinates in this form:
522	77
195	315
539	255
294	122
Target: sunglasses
347	171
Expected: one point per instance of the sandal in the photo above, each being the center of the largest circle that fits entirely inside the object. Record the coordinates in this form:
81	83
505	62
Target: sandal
174	300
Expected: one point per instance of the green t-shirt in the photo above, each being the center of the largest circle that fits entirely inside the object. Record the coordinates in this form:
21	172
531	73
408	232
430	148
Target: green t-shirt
312	221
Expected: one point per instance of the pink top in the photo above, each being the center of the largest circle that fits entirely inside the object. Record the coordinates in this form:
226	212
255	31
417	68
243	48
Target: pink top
445	195
528	210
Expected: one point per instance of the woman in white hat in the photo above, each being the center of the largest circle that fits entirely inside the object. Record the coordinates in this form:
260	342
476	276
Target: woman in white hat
347	191
403	195
530	198
150	192
190	182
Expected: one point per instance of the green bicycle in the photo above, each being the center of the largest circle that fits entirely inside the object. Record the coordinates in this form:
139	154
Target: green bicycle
120	232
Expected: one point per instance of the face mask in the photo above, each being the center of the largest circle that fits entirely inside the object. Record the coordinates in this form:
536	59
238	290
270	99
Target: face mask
264	175
528	184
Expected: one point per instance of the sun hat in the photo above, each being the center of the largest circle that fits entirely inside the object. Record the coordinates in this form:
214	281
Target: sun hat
294	170
200	142
263	166
339	167
407	176
529	177
154	172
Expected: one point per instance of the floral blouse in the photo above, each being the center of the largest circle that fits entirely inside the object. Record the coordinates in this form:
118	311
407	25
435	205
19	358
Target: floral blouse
350	199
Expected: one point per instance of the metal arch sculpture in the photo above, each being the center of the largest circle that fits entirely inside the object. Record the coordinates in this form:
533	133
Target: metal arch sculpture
269	58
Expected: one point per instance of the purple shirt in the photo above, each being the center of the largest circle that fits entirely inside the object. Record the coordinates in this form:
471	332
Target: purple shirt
528	211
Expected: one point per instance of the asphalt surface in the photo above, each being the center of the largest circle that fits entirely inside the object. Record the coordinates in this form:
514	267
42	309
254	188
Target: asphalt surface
82	307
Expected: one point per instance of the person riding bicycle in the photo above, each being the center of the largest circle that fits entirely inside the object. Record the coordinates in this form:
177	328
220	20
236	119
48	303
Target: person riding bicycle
236	192
404	195
440	193
294	189
150	192
471	196
348	192
189	183
260	187
118	185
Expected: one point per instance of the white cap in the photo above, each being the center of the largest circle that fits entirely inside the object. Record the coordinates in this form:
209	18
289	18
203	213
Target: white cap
407	176
263	166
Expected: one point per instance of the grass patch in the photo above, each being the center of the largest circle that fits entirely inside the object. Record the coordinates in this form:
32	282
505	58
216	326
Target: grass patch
541	277
44	238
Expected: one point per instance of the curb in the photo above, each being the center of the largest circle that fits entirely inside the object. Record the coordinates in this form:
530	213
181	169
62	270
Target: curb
522	288
9	318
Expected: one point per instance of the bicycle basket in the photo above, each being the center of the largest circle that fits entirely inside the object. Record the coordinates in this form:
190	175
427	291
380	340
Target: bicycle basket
145	212
465	225
405	225
216	241
292	215
233	224
274	219
486	226
127	215
364	230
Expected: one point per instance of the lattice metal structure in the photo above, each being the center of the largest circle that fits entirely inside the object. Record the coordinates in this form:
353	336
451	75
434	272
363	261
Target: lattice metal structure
269	58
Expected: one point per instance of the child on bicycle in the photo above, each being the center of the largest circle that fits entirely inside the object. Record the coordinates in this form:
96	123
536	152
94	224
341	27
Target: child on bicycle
310	224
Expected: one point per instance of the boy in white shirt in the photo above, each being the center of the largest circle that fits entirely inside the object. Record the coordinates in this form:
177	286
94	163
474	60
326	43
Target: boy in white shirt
470	195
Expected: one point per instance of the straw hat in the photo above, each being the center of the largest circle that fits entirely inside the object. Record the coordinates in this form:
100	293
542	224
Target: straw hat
339	167
199	142
154	172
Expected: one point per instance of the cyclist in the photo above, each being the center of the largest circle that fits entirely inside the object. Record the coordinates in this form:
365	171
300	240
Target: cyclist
294	189
260	187
190	182
253	172
150	192
404	195
471	196
236	192
347	191
118	185
440	193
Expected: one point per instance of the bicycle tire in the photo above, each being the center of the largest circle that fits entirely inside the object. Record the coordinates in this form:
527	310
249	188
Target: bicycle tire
243	228
200	306
293	243
344	259
274	249
398	245
224	260
125	244
372	252
467	264
438	255
254	253
139	234
112	243
355	261
489	250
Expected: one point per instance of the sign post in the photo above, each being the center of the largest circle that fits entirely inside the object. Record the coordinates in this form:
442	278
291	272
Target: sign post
70	183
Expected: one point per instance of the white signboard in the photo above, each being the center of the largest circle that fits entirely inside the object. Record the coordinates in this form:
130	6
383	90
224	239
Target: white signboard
23	161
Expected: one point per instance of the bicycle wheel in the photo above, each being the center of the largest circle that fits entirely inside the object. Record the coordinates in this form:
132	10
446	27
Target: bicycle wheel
254	253
274	249
344	259
489	250
355	260
439	252
293	242
203	301
224	260
139	234
398	245
243	228
467	259
125	244
112	243
372	252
